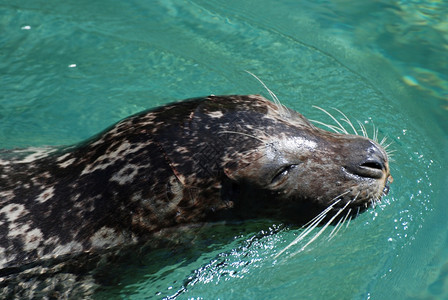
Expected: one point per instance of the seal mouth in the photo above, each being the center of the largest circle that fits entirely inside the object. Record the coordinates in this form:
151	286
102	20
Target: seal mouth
361	204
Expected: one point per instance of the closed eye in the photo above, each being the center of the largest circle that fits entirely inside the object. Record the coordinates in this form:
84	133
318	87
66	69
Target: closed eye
282	173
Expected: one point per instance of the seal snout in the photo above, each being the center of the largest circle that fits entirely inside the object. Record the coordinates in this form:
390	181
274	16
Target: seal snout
371	164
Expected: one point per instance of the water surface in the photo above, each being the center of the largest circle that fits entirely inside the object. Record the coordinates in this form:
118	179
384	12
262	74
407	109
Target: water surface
70	69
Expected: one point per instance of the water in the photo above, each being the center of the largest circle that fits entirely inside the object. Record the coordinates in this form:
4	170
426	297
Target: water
69	69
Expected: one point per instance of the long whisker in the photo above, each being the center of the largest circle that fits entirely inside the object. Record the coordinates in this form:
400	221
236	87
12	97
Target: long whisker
322	230
347	120
327	209
341	129
335	229
309	227
302	235
338	228
332	127
280	106
314	223
389	151
332	117
348	222
345	218
363	130
375	133
387	146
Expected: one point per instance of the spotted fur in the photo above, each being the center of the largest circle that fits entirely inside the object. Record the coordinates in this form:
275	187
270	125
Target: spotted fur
200	160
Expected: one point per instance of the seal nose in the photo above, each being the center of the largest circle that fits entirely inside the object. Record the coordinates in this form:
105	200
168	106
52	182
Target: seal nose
371	168
372	164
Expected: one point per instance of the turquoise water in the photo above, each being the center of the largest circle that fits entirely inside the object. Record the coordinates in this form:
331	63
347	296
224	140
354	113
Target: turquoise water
69	69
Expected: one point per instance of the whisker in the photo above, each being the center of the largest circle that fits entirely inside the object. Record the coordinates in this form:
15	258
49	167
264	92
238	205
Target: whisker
338	199
347	120
332	117
335	229
378	202
383	143
332	127
341	129
331	236
390	156
320	215
315	222
280	106
375	133
387	146
391	151
363	130
310	226
302	235
322	229
348	222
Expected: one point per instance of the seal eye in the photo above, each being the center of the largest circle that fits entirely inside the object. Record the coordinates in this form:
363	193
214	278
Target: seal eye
282	173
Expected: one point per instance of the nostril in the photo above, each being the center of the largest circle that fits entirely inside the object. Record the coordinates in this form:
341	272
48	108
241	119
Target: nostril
368	169
373	164
369	162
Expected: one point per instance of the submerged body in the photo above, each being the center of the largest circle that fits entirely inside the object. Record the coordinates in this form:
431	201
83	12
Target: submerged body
200	160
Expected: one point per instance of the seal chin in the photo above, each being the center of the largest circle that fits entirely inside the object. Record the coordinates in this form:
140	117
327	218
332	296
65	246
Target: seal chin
370	200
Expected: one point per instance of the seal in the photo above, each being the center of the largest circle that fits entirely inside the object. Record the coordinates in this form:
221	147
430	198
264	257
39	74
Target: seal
199	160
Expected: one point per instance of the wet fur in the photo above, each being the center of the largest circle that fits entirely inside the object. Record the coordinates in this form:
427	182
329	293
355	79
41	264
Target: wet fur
64	212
